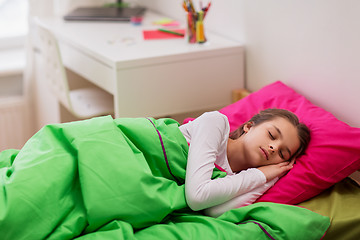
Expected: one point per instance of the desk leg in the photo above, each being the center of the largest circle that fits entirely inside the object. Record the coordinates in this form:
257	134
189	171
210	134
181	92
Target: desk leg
116	80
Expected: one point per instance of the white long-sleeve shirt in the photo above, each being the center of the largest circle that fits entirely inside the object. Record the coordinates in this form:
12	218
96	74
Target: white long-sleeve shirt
208	137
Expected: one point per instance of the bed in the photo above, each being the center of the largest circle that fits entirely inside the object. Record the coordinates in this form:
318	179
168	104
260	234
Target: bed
341	203
123	178
320	180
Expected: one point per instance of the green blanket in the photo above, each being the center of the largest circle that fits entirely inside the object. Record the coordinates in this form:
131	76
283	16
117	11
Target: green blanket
123	179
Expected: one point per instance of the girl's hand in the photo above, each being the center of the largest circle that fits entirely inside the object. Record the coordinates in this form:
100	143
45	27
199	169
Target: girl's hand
276	170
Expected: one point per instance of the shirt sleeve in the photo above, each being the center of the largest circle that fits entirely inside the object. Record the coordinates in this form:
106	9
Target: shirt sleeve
208	133
240	201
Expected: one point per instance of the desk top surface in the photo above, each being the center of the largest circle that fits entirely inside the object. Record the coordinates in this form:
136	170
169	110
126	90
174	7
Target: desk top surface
117	44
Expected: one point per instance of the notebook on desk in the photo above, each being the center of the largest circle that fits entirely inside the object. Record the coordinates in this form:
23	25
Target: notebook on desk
104	14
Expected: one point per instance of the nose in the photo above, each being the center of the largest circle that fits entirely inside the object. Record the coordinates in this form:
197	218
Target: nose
273	148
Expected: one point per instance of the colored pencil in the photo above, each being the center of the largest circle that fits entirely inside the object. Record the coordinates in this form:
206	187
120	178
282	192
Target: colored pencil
171	32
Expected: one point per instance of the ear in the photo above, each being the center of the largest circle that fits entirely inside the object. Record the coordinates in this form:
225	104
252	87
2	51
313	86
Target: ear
247	126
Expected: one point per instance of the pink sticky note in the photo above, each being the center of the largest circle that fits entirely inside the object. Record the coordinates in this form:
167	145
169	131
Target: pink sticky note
156	34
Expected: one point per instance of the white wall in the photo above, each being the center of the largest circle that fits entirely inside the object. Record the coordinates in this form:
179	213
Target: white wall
311	45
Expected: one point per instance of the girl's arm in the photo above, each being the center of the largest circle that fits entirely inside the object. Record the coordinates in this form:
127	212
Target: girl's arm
208	134
240	201
272	173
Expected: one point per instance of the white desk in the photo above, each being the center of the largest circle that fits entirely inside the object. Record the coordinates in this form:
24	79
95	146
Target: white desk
151	77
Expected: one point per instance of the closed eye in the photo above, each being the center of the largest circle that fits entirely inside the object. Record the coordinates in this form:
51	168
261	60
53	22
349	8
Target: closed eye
271	136
281	155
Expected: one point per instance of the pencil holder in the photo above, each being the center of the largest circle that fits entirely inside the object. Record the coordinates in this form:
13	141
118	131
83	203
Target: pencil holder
195	27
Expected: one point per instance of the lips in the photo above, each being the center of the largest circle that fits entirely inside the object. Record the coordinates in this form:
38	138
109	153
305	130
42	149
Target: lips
265	153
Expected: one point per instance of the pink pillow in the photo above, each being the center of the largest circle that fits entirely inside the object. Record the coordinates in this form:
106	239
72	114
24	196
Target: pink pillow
333	152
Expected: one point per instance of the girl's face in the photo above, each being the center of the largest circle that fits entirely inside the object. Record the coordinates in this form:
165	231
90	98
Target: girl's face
268	143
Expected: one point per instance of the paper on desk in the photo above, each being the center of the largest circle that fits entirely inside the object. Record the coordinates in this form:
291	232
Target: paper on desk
166	22
156	34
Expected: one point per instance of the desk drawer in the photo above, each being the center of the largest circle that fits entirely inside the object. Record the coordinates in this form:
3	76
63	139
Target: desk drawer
86	66
179	87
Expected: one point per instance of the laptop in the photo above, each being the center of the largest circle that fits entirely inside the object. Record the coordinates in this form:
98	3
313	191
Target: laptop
104	14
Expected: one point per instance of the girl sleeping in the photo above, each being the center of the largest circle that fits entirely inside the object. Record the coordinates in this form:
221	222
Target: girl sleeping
254	156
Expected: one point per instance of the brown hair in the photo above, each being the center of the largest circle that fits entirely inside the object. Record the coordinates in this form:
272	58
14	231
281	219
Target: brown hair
271	113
